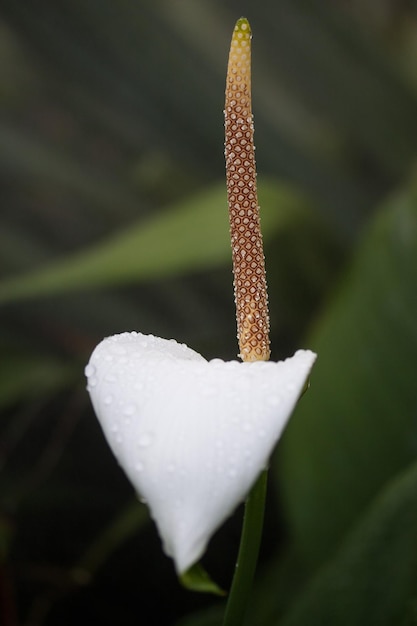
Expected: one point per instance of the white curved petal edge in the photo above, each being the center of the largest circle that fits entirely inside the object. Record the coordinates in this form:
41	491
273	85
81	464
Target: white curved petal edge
192	435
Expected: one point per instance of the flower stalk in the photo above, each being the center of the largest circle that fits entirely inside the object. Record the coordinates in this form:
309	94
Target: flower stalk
248	553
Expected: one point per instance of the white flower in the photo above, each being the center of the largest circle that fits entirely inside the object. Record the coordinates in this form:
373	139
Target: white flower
192	435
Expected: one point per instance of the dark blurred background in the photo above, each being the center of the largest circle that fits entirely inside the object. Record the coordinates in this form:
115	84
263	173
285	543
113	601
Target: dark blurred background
111	114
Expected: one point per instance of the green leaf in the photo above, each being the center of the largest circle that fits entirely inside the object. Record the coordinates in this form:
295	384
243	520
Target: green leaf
197	579
373	577
189	236
356	427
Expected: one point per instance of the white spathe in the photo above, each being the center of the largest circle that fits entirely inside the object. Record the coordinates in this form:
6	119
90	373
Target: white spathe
192	435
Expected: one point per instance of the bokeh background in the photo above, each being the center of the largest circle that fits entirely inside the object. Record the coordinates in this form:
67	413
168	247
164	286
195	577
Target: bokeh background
113	217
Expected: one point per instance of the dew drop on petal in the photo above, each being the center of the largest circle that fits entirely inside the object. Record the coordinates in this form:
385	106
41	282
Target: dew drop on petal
108	400
139	466
90	370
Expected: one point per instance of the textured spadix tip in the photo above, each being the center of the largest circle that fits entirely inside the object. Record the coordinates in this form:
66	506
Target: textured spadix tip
191	435
239	57
242	29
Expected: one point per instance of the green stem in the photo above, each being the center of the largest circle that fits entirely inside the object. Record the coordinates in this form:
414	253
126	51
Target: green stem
248	554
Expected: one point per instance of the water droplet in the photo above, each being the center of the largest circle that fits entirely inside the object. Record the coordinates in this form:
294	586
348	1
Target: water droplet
118	438
232	472
139	466
92	381
145	440
110	378
108	400
90	370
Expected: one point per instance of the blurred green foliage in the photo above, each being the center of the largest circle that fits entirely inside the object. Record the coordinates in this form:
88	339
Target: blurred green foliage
361	410
113	218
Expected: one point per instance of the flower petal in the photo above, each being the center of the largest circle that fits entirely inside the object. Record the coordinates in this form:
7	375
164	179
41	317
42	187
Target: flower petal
191	435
